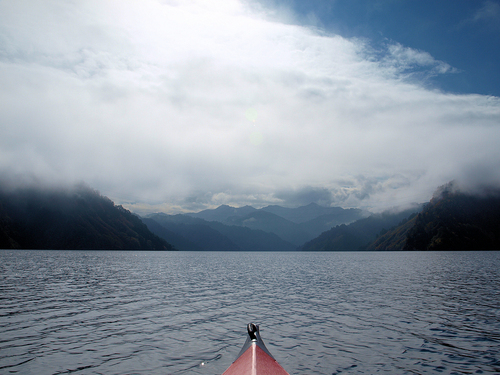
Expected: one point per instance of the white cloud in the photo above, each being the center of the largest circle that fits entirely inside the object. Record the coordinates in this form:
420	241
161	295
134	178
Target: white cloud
404	59
149	102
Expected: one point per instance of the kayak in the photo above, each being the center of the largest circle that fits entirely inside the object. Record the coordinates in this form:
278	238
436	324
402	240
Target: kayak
254	358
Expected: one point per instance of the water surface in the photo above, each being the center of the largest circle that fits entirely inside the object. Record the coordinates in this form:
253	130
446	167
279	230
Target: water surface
185	312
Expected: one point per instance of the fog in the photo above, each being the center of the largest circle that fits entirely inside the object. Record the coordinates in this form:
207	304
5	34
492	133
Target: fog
179	106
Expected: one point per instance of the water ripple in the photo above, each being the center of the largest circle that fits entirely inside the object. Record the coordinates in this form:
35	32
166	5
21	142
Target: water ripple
185	313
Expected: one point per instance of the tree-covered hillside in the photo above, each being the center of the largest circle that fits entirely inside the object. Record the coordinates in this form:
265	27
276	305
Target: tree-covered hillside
395	237
454	220
191	233
77	218
357	235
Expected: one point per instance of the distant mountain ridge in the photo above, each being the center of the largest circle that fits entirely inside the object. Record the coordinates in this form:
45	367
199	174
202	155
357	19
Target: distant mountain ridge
271	223
313	211
80	218
359	234
297	215
222	213
294	225
191	233
314	228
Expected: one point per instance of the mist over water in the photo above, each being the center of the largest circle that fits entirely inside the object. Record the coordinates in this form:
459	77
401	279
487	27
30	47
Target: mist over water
185	313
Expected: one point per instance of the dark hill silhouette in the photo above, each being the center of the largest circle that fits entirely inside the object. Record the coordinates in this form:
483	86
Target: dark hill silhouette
222	213
193	231
77	218
357	235
271	223
190	233
452	220
177	240
313	211
293	225
323	223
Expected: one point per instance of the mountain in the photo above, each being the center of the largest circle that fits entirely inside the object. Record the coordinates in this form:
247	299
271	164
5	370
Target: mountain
222	213
357	235
177	240
455	220
79	218
271	223
314	211
452	220
252	240
323	223
394	238
294	225
191	233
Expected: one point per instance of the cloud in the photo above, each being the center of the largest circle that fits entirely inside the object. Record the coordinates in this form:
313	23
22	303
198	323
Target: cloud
404	59
488	15
186	105
490	11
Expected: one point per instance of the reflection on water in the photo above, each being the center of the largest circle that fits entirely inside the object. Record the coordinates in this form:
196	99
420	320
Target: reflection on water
185	313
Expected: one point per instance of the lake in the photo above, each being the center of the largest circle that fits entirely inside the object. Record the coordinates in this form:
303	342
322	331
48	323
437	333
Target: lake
103	312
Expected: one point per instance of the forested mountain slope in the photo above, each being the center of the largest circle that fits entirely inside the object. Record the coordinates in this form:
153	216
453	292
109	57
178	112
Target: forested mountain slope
191	233
357	235
76	218
452	220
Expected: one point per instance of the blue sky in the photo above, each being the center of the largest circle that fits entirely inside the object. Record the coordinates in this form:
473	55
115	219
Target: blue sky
182	105
463	33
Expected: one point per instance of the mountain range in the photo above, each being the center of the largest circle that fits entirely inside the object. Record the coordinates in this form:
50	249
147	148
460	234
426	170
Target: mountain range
188	233
81	218
246	228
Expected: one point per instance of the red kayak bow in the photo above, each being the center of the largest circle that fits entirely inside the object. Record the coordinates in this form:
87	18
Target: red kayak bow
254	358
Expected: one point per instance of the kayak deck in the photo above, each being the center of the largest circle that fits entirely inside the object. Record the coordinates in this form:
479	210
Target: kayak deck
254	357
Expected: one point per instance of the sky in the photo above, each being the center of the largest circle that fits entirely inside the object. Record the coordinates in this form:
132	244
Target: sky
182	105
